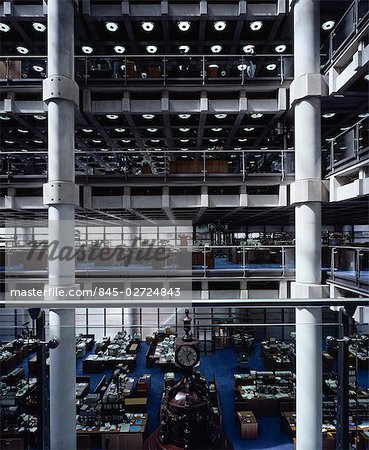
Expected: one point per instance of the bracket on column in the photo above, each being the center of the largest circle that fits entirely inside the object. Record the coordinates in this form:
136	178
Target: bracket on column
60	87
61	193
308	85
308	190
301	290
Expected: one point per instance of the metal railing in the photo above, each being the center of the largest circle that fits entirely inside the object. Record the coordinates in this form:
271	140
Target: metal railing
161	163
349	146
163	69
350	265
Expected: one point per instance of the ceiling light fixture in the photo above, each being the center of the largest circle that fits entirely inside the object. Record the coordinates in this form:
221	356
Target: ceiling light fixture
256	25
86	49
184	25
38	26
119	49
184	48
220	25
328	25
213	140
249	129
87	130
120	130
220	116
148	116
22	50
184	130
184	141
271	67
329	115
256	115
4	27
250	49
155	141
37	141
242	140
152	130
4	118
366	77
216	48
147	26
184	116
111	26
39	117
9	142
22	131
217	129
112	116
280	48
151	48
96	141
37	68
241	67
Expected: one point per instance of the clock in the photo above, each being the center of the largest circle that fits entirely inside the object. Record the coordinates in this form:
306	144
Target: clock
187	356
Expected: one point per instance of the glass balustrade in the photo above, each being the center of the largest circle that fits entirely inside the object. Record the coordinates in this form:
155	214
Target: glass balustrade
165	69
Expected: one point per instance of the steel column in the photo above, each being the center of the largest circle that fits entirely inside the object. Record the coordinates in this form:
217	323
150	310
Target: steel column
61	113
308	232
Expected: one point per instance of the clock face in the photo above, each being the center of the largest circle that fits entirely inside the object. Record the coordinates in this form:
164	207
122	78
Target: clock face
187	356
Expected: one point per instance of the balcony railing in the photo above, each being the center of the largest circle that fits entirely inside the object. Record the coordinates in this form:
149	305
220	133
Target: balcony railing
351	24
160	163
350	265
349	146
168	69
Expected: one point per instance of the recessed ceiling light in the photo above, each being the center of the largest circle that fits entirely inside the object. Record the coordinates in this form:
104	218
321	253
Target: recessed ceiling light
104	149
87	130
184	141
220	25
86	49
213	140
120	130
4	27
271	67
38	26
256	115
216	48
250	49
220	116
112	116
24	150
280	48
9	142
22	50
184	130
184	25
119	49
151	48
147	26
366	77
184	48
111	26
37	68
237	148
96	141
256	25
4	118
184	149
329	115
148	116
22	131
37	141
217	129
241	67
39	117
184	116
155	141
249	129
328	25
152	130
242	140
